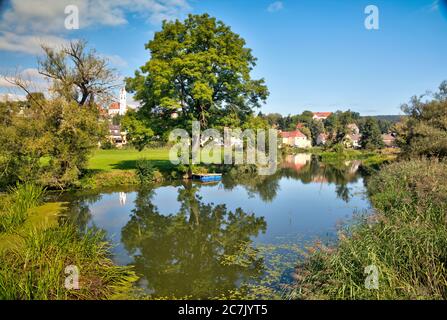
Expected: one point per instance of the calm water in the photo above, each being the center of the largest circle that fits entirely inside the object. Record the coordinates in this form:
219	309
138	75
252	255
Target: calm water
239	238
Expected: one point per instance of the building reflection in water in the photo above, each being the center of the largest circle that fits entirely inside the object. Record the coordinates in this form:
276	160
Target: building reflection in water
123	198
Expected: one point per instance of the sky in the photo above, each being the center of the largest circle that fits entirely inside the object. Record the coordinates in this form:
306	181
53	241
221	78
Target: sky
314	54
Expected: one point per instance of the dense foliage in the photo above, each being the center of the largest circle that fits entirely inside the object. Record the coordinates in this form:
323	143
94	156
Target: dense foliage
424	131
199	70
48	142
371	134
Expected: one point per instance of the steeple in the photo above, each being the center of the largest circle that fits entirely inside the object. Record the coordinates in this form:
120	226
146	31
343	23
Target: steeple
123	102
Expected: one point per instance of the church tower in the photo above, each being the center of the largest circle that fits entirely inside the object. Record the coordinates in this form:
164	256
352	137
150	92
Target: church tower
123	102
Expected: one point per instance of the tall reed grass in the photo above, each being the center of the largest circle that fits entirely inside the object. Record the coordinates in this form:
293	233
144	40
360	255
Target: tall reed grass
406	239
37	270
16	204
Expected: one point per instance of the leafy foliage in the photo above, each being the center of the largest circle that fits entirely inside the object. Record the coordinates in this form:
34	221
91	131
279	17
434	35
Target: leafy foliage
424	131
199	69
371	135
139	134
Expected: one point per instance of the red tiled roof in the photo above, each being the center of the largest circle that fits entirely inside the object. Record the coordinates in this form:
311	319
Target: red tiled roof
293	134
322	114
114	106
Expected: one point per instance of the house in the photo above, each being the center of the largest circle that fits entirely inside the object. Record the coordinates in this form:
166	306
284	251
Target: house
353	129
322	139
116	136
119	108
321	115
295	139
389	140
352	140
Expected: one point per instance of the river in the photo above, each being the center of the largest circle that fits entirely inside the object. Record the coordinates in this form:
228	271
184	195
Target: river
239	238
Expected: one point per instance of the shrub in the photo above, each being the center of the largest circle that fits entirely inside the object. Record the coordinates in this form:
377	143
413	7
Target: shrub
145	171
107	145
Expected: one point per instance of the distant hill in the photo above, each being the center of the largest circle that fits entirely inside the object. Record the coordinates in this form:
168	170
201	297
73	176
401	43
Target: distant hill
391	118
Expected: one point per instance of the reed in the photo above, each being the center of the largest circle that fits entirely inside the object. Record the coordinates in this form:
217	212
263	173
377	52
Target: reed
36	270
406	239
16	204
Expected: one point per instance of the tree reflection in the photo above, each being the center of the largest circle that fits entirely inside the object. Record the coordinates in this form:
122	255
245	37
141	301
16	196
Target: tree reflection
305	169
78	211
202	251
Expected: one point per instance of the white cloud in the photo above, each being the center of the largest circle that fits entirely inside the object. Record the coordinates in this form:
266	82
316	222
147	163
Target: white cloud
30	76
48	15
31	44
115	60
5	82
275	6
28	22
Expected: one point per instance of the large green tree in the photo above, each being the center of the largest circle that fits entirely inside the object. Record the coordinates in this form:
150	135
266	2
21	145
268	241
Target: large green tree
371	134
199	70
424	131
337	124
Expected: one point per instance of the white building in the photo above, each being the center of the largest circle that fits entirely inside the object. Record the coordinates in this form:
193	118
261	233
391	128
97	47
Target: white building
296	139
119	108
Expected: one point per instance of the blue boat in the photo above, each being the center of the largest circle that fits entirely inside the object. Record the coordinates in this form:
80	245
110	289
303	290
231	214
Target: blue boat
208	177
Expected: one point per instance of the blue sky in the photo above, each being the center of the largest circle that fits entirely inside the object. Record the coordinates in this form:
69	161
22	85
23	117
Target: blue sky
314	54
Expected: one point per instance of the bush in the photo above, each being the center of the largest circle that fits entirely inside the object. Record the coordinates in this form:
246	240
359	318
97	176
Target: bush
108	145
406	240
145	171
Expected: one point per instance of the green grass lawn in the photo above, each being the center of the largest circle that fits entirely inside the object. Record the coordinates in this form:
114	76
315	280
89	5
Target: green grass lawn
125	159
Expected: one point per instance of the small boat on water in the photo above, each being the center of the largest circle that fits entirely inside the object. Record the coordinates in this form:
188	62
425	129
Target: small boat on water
207	177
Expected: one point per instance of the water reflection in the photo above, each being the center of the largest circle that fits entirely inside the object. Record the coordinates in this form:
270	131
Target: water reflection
123	198
236	238
301	167
202	251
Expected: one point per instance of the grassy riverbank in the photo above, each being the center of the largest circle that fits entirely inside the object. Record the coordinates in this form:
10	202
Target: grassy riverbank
35	252
405	240
117	167
110	168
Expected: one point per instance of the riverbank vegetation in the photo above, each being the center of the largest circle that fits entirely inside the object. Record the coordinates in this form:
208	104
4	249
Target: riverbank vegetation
405	239
35	253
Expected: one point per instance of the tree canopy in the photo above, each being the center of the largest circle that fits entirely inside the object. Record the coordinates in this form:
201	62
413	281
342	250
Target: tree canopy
424	131
200	70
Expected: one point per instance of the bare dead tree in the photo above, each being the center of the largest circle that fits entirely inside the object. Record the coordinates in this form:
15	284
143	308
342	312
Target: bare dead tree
77	73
